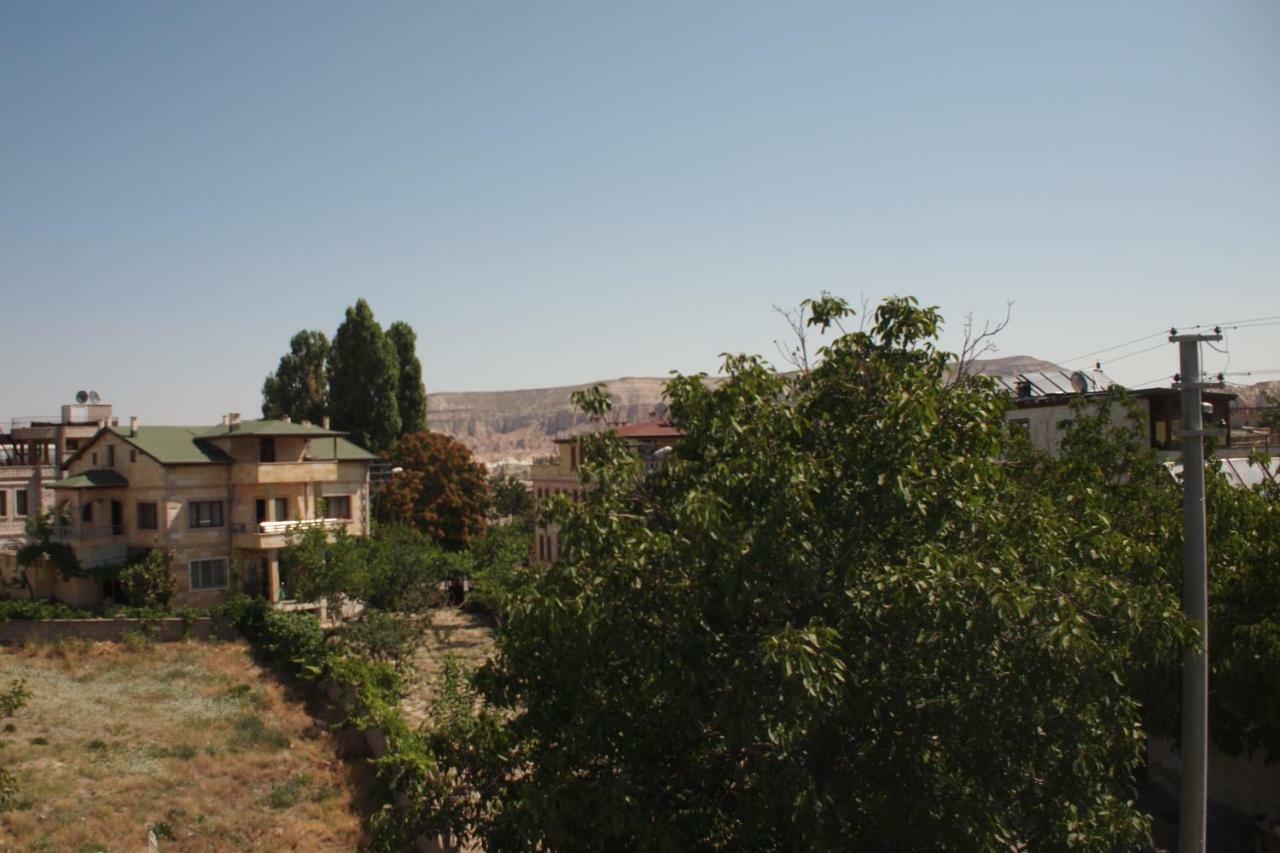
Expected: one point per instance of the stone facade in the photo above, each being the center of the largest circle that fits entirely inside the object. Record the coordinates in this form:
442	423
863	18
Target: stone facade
224	518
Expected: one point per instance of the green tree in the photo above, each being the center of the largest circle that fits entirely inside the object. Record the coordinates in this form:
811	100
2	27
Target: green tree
150	582
320	564
836	619
442	490
364	378
411	394
11	700
41	553
299	386
511	500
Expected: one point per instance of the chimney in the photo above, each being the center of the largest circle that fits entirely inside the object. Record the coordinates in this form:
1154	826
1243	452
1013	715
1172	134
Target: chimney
133	425
225	421
305	422
233	421
325	421
286	418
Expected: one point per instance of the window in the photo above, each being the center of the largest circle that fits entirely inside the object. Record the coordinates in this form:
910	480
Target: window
111	456
73	444
208	574
205	513
95	460
147	516
133	455
267	450
20	502
4	502
282	509
86	513
337	506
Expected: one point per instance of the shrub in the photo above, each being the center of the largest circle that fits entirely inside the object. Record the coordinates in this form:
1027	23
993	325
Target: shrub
37	610
151	582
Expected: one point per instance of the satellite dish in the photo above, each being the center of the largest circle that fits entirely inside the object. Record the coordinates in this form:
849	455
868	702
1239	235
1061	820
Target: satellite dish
93	397
1080	382
82	397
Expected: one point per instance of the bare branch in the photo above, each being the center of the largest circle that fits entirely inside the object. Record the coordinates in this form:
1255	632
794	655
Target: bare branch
977	344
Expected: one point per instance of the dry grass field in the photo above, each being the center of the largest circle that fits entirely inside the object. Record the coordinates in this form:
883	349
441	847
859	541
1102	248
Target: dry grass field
190	740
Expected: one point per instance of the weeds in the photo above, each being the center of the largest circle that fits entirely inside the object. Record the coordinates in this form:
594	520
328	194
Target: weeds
287	793
250	731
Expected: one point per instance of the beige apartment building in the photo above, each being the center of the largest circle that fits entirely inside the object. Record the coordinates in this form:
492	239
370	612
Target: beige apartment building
31	450
558	474
223	499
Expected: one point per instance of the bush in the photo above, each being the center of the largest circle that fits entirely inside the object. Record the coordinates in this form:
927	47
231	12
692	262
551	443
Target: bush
150	583
38	610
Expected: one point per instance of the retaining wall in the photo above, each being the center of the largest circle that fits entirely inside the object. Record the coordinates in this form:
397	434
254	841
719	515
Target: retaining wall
17	631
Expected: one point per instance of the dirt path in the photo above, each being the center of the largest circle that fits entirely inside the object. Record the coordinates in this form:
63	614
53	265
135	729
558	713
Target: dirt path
467	637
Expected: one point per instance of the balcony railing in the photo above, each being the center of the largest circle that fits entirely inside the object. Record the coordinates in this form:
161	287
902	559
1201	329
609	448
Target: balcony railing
71	533
268	528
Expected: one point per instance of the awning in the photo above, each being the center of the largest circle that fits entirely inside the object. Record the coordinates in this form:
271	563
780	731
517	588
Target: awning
91	480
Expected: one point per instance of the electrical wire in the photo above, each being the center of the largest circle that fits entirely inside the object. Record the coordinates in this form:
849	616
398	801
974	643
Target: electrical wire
1109	349
1137	352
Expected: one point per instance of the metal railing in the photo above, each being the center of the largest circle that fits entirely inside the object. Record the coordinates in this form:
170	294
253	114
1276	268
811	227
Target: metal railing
276	527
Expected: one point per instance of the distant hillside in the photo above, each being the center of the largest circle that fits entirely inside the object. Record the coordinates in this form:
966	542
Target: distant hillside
516	426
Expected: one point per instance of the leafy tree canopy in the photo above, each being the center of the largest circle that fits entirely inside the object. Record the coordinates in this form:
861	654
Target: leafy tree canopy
511	500
442	490
364	379
411	394
839	618
299	386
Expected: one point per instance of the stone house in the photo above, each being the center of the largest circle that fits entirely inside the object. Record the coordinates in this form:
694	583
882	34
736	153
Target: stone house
558	474
223	499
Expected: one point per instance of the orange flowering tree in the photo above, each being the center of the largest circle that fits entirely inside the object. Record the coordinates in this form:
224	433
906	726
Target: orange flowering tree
442	490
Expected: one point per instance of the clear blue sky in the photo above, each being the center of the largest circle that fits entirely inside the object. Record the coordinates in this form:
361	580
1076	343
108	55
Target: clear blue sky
557	192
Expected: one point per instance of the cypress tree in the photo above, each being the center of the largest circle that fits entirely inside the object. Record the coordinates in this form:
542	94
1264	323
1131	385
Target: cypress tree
364	377
411	394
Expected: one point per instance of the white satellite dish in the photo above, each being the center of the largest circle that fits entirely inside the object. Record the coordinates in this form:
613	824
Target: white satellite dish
1080	382
93	397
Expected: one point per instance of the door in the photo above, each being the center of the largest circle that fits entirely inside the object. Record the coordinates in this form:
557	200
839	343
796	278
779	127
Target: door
260	506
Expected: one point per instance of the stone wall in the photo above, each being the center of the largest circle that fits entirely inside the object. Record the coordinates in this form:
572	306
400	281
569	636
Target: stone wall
18	631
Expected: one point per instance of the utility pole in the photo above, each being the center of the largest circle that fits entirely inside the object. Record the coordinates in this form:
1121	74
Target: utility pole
1195	599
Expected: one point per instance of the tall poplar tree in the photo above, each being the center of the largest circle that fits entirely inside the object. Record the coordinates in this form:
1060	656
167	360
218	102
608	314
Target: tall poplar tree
411	394
299	387
364	377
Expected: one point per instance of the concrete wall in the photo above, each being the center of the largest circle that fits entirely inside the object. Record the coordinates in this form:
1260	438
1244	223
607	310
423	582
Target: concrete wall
1248	786
112	630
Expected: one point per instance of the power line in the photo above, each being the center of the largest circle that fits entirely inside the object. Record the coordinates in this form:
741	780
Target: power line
1159	334
1137	352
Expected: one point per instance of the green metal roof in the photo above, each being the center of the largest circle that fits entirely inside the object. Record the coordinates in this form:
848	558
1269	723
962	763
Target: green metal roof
267	428
97	479
171	445
348	451
174	445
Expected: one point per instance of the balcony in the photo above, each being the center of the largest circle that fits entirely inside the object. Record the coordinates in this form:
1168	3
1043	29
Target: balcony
275	534
86	532
284	472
